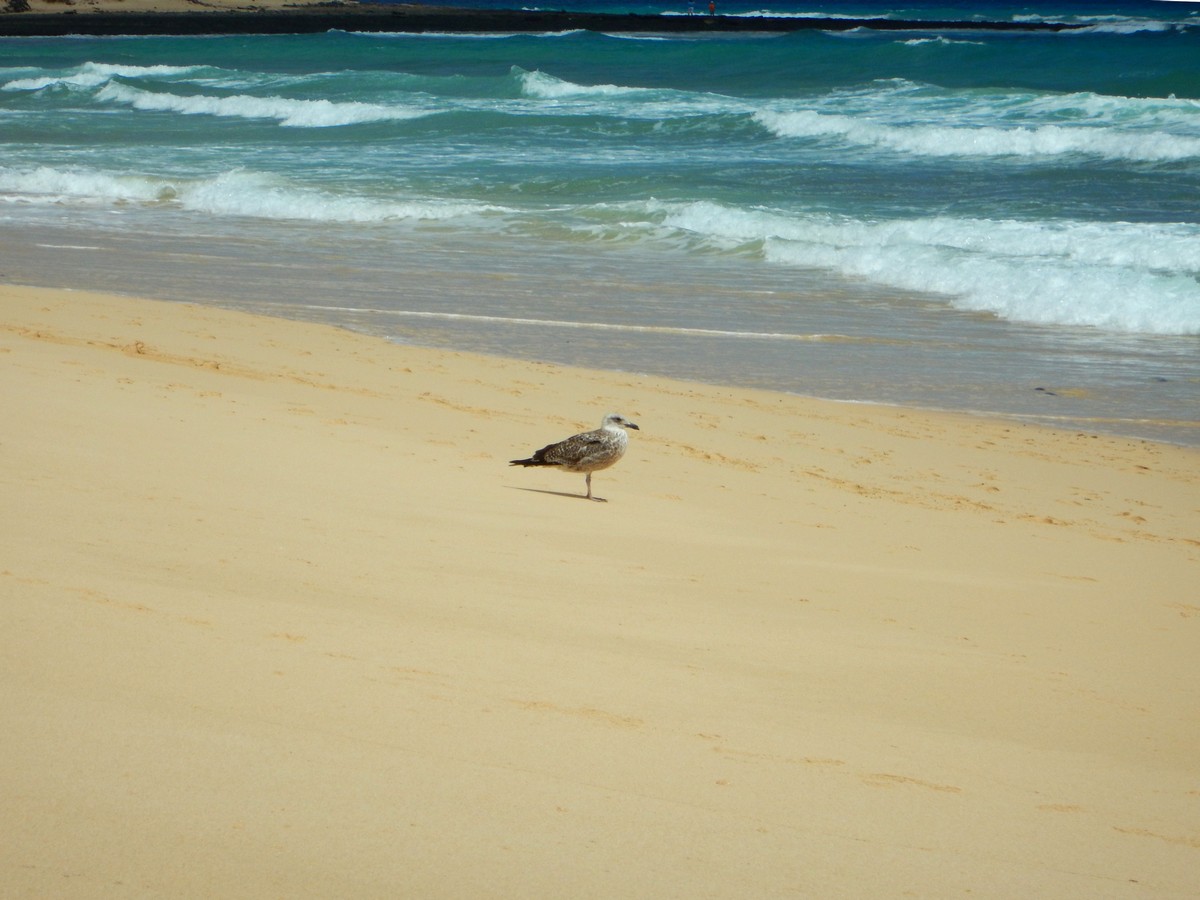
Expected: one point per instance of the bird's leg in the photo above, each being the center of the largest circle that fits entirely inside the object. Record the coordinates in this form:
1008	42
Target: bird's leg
589	493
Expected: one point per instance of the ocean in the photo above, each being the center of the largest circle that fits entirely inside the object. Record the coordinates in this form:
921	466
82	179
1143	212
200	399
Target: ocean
1000	222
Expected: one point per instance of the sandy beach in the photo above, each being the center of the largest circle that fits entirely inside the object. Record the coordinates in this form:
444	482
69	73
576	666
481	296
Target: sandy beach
280	621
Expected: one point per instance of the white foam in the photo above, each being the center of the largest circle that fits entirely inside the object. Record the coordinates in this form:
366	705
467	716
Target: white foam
288	112
245	194
227	194
942	41
771	14
46	185
540	85
100	80
91	75
650	104
1179	113
896	115
985	141
1100	22
1116	276
1130	27
456	36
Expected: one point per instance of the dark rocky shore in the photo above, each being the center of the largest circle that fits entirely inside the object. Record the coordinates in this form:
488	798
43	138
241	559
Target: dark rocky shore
412	18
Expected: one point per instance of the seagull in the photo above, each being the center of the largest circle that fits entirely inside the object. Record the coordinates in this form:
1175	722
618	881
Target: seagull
587	452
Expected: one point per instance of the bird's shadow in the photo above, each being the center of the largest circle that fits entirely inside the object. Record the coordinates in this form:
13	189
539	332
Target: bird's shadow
556	493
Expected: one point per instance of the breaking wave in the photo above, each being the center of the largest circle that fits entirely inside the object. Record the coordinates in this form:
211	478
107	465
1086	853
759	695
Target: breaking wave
1114	276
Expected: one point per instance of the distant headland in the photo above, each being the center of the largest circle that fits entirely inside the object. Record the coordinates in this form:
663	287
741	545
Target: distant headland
28	18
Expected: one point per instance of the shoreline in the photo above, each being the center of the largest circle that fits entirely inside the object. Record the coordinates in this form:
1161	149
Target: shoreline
280	619
165	17
1039	396
988	390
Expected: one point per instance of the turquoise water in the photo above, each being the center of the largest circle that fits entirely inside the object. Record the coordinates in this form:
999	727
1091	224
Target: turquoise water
996	222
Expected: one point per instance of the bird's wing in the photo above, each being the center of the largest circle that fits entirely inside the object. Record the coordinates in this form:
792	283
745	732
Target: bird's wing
574	449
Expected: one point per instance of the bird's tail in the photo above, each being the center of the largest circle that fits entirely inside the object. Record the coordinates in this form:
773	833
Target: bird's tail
538	459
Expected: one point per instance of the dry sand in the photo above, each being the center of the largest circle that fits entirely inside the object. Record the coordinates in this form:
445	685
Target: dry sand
277	620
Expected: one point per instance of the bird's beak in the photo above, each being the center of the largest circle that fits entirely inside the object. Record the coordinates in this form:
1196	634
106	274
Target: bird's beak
631	425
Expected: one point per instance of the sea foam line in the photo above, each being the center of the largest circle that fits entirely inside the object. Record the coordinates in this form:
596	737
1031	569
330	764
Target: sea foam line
233	193
601	326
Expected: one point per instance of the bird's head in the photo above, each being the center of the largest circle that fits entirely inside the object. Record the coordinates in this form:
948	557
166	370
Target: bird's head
619	421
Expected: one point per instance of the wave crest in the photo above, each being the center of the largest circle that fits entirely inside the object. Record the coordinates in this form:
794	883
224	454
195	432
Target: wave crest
541	86
1115	276
1046	140
289	113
